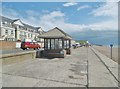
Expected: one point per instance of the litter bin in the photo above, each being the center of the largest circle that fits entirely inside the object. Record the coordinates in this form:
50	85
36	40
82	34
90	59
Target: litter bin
39	54
68	51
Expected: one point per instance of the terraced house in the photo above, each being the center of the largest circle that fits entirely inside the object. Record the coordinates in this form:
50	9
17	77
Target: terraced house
16	30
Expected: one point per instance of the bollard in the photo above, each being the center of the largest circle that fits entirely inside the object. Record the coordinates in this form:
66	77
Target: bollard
111	45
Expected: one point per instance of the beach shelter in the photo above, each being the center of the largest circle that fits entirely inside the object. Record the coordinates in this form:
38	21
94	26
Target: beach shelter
57	43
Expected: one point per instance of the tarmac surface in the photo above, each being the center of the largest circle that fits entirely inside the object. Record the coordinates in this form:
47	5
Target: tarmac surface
85	67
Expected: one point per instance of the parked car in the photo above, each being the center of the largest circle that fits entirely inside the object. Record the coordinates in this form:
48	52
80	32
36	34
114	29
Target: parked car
26	45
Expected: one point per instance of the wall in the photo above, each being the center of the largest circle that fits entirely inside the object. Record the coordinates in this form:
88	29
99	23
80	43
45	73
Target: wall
7	45
11	45
18	57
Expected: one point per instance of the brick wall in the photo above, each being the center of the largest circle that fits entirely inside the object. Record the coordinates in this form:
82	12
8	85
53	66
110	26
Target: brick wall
11	45
7	45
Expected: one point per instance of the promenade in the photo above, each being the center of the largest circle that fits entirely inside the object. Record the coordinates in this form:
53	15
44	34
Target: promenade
85	67
106	50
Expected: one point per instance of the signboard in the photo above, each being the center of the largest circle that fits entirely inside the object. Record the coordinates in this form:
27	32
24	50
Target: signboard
18	44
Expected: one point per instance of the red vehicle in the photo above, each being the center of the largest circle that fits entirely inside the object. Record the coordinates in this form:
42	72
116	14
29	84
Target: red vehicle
26	45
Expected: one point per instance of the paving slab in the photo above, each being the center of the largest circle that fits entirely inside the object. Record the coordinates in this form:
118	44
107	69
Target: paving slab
45	83
112	65
79	69
18	81
71	70
0	80
0	73
99	76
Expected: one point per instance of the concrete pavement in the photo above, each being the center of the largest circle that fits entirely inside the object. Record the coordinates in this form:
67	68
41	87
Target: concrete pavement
0	73
99	75
56	72
81	69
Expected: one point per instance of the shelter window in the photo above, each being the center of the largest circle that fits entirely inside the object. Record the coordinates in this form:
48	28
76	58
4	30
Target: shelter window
52	44
56	44
65	44
48	43
60	43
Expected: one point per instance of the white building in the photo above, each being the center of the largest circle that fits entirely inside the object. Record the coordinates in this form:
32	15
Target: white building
14	30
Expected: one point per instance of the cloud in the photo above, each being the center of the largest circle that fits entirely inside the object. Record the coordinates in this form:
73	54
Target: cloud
45	11
51	19
70	4
83	7
10	12
57	14
0	11
57	18
96	32
32	13
108	9
31	16
105	25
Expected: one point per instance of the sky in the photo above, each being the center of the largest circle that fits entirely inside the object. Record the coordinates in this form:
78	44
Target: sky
96	22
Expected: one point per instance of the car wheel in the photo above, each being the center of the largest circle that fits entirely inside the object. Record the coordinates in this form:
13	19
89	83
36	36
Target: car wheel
23	48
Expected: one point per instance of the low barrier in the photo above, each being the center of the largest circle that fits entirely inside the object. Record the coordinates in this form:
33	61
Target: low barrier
7	45
17	57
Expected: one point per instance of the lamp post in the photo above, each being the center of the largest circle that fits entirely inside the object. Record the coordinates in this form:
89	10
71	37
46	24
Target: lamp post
111	45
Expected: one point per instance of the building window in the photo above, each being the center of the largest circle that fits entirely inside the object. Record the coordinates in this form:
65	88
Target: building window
24	33
6	31
4	23
12	32
28	35
20	33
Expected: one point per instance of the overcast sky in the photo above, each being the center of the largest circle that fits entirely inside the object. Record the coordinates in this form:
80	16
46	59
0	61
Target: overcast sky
83	20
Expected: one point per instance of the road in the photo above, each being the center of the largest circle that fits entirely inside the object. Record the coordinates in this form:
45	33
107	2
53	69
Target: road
85	67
